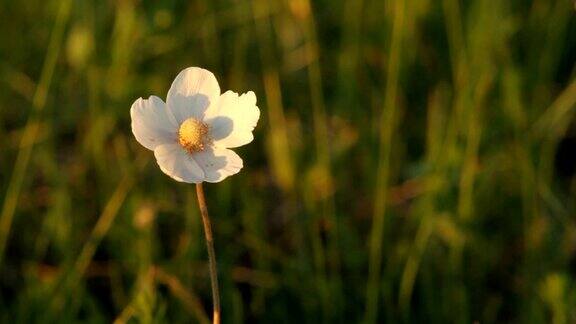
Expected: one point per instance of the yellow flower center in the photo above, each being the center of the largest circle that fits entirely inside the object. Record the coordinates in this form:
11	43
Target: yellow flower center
193	135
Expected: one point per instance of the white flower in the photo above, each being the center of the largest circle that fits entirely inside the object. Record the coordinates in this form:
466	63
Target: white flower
192	133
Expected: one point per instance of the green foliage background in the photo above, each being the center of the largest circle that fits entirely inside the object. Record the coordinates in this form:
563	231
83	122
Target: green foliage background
413	162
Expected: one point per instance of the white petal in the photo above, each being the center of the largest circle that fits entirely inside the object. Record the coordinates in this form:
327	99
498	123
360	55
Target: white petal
178	164
218	163
151	124
232	123
191	93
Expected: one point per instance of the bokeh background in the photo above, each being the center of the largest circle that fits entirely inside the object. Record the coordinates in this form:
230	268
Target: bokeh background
414	162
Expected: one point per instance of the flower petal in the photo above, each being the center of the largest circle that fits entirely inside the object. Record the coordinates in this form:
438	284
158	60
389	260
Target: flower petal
151	123
232	123
178	164
191	93
218	163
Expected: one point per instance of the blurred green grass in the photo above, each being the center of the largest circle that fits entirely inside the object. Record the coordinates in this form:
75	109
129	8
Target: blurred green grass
414	162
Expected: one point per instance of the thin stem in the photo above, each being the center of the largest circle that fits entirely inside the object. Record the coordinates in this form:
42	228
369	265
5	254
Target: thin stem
211	254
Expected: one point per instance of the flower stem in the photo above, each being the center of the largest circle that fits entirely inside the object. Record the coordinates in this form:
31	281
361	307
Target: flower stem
211	254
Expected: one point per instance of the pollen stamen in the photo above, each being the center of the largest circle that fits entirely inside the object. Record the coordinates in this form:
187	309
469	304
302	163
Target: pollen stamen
193	135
